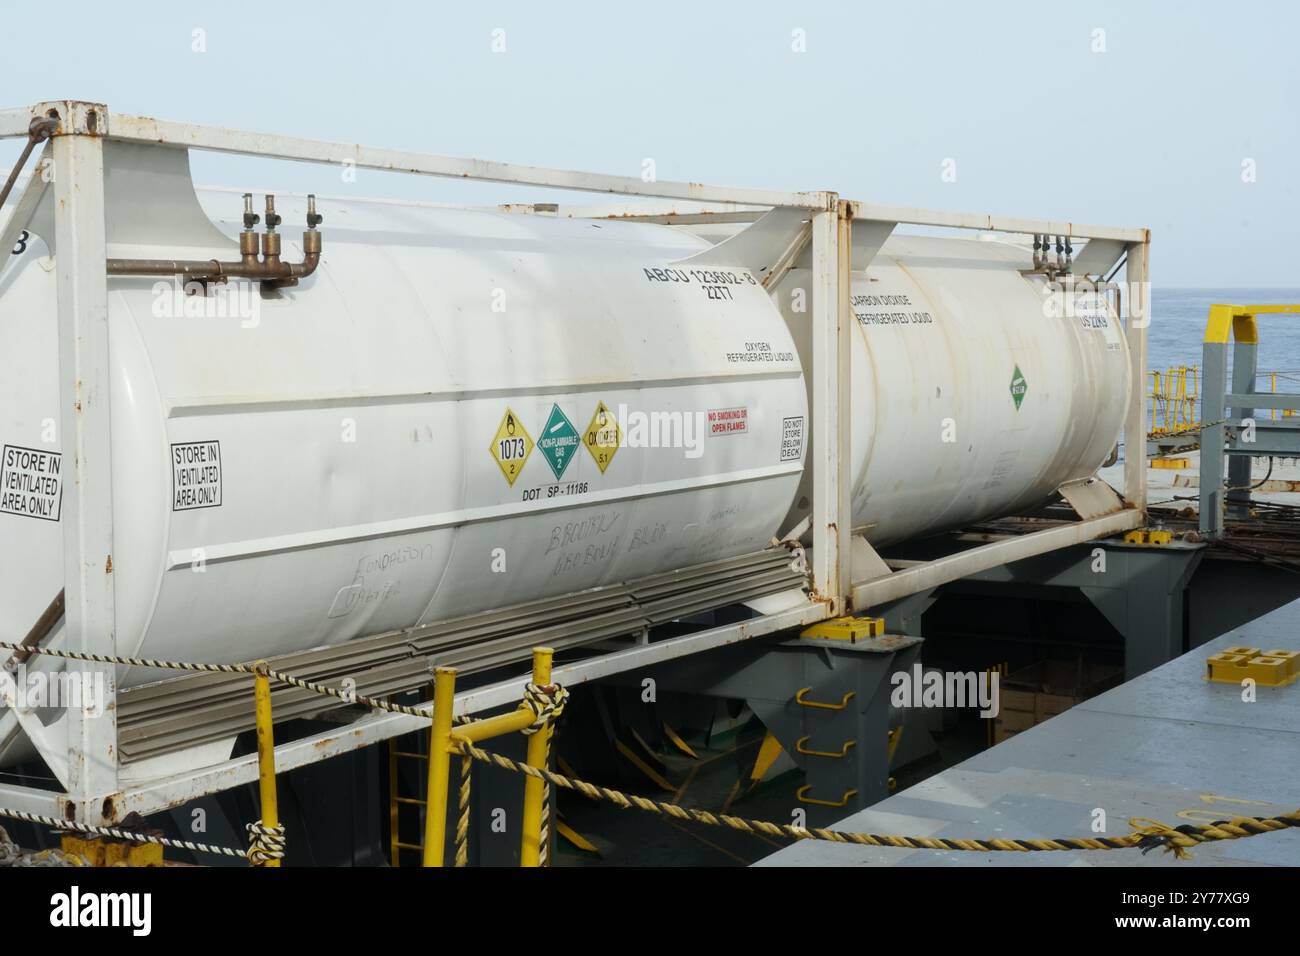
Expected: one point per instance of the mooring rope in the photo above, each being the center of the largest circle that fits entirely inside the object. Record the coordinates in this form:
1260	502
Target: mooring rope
547	704
1147	834
133	836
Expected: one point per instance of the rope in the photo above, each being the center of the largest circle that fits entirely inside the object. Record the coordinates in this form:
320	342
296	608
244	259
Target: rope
1148	834
130	835
462	822
1178	840
265	843
547	704
349	697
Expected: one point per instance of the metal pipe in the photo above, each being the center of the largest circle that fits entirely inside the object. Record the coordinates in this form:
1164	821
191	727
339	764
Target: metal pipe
539	745
44	624
435	815
269	269
265	751
41	129
480	730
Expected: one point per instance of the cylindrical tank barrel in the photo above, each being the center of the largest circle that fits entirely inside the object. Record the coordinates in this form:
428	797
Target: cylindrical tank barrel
462	410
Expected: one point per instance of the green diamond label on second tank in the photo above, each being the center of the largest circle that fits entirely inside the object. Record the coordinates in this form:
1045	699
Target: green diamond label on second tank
1018	387
558	441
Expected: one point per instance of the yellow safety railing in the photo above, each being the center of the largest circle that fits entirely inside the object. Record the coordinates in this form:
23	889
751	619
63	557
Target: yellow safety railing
1175	394
1175	398
268	836
542	703
1274	413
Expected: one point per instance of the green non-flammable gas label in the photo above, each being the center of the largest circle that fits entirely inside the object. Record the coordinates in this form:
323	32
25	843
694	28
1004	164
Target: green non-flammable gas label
1018	387
558	441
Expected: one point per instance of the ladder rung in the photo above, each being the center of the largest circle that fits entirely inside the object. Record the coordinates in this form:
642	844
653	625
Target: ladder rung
411	800
403	753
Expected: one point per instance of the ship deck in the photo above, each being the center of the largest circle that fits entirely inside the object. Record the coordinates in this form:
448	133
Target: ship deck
1168	745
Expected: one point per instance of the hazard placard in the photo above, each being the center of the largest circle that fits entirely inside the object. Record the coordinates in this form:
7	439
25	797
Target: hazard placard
511	446
558	441
602	437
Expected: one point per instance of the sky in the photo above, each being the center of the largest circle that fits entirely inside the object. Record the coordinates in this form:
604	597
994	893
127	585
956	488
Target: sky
1177	116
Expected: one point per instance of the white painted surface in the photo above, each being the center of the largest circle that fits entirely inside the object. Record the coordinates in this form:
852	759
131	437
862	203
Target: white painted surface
969	319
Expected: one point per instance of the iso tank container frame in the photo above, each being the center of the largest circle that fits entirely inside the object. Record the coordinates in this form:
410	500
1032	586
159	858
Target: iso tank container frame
94	794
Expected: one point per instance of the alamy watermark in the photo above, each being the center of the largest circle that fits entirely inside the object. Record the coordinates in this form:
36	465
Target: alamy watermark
72	690
1093	300
952	689
640	429
216	300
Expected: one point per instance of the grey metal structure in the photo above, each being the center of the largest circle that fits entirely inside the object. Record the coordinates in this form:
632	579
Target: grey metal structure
826	702
1229	428
1169	746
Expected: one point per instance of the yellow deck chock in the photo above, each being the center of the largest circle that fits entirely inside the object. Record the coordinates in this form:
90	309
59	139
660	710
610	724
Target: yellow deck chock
1153	537
1171	464
851	629
1232	665
101	851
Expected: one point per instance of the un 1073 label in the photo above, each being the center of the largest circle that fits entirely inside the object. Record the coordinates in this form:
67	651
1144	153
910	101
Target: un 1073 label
31	482
196	475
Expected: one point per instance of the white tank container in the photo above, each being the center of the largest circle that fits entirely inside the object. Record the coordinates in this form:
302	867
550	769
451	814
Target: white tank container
976	390
415	432
410	435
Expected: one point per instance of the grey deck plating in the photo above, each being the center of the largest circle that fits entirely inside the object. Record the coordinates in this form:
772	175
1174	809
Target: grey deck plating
1168	745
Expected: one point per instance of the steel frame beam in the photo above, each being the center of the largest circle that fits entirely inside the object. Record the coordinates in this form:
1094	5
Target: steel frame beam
125	128
156	795
831	347
45	803
980	221
930	574
1135	330
88	530
87	511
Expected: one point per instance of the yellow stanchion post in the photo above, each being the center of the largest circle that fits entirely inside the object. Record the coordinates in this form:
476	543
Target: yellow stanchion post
535	790
435	811
265	750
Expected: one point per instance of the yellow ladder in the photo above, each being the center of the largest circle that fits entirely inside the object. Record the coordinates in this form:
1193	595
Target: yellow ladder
418	743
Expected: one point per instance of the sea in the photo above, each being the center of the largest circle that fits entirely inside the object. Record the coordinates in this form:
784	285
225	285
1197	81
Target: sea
1178	318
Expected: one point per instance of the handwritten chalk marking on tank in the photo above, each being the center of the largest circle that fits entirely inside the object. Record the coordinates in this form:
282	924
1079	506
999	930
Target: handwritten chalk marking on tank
602	437
511	446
